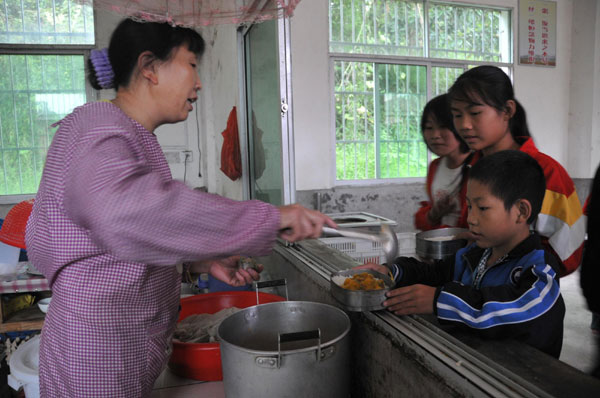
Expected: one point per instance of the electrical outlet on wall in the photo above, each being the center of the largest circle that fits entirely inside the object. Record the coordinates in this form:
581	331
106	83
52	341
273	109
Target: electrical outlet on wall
179	156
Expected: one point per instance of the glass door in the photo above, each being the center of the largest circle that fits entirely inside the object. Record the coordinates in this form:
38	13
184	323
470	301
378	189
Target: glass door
267	143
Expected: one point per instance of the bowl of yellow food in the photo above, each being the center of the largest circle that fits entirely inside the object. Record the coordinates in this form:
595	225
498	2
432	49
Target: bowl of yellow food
360	289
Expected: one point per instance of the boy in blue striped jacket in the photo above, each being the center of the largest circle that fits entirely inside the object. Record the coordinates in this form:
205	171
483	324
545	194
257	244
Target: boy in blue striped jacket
503	284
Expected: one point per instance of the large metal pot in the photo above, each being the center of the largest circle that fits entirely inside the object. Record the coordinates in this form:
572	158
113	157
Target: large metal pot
286	349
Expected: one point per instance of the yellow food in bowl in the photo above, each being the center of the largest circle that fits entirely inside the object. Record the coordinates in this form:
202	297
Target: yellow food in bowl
363	281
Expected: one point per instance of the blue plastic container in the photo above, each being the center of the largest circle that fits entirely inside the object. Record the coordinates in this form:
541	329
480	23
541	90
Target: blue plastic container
215	285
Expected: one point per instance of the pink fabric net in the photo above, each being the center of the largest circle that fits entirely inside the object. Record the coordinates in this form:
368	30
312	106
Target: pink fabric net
197	13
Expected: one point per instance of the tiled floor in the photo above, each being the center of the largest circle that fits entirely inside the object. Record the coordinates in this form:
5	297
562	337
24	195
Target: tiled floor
579	343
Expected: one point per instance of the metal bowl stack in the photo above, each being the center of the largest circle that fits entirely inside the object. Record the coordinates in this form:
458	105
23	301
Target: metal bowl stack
438	244
360	300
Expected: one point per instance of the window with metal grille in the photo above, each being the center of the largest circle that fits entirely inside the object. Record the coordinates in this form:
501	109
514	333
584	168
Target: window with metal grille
389	57
43	47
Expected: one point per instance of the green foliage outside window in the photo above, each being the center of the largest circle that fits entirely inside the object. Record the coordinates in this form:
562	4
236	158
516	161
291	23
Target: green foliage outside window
46	22
35	92
38	84
378	104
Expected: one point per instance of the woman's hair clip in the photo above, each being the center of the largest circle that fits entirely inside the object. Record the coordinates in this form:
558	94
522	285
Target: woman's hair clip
104	72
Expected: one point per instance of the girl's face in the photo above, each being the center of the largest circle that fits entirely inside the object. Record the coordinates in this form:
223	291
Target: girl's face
178	85
440	140
482	126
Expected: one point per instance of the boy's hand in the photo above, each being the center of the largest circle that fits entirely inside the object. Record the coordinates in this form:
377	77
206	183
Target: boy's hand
413	299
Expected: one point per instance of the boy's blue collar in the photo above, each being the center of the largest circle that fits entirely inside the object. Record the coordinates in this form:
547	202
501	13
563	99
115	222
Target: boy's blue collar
472	253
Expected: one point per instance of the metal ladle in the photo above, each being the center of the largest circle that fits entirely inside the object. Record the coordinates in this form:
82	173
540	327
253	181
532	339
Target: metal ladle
387	238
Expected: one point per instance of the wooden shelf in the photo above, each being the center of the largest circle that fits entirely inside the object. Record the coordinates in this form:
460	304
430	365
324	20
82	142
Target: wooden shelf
30	318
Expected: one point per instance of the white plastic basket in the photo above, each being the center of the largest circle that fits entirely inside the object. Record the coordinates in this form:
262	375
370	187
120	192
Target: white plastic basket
364	251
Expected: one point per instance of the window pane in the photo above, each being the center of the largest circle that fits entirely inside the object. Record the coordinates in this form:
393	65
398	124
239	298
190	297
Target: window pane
46	22
402	94
442	79
378	106
388	27
355	120
35	92
379	119
469	33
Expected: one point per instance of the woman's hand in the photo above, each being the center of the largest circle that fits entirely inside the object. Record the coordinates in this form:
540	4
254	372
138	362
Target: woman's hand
299	223
228	270
413	299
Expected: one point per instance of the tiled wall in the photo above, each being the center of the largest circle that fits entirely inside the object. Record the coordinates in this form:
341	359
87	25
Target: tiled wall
398	202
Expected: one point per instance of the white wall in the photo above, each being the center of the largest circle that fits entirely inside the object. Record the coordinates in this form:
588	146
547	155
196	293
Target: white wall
220	92
562	103
201	132
544	92
585	92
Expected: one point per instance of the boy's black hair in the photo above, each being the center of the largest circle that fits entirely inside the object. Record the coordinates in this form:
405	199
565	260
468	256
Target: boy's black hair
439	109
512	175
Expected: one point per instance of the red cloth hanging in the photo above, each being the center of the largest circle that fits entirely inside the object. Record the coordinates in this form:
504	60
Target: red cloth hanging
231	157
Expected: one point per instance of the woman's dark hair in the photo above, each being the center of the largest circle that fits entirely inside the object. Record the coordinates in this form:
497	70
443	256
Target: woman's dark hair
492	86
512	175
131	38
439	109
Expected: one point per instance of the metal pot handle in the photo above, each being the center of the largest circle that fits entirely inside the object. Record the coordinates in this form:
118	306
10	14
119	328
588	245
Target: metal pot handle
297	336
272	283
272	362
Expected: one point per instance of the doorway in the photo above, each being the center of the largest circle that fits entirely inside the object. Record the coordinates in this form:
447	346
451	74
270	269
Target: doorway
267	133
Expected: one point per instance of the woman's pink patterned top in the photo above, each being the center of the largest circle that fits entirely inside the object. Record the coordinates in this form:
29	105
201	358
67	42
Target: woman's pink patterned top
107	228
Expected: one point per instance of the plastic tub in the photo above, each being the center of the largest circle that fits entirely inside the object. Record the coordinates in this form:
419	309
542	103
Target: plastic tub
24	368
202	361
44	304
9	258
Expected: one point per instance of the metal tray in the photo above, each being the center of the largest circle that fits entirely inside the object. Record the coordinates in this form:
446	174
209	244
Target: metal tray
360	219
360	300
438	250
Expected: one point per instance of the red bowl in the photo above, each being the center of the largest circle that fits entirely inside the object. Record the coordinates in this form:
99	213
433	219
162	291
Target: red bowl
202	361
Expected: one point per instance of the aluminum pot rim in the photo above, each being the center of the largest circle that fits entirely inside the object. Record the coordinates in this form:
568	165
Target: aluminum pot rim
440	232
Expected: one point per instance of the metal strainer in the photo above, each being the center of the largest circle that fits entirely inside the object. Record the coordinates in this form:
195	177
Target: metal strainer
13	228
385	236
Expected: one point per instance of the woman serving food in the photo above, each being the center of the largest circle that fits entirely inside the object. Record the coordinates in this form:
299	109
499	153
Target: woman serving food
109	224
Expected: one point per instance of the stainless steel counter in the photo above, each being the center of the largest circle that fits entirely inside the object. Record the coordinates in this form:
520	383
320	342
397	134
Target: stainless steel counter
395	356
411	355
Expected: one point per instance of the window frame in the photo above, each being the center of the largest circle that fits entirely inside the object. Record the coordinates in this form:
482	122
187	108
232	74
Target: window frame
428	63
48	49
